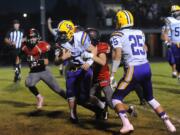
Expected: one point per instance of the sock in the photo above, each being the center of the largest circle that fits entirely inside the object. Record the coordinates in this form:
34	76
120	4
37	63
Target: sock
124	118
34	90
163	116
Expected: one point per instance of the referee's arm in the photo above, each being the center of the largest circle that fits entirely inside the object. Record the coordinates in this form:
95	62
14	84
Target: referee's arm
7	41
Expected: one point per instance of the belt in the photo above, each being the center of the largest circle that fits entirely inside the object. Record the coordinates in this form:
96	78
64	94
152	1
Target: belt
74	68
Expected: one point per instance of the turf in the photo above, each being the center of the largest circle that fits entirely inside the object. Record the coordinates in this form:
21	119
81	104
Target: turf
18	115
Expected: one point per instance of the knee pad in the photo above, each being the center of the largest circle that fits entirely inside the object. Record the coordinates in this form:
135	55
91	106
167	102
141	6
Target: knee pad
154	103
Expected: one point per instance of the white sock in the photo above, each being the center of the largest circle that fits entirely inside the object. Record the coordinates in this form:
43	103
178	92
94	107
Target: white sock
174	73
72	114
124	118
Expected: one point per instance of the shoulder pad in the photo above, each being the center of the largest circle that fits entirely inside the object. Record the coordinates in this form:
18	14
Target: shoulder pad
83	38
170	20
43	46
117	33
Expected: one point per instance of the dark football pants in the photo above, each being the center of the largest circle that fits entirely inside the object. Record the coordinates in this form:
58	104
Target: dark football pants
107	90
46	77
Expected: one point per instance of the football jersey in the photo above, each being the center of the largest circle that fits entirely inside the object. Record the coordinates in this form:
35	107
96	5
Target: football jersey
166	28
101	73
131	41
39	52
77	47
174	28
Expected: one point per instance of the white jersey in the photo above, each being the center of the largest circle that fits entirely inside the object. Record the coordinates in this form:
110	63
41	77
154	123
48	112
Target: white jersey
174	29
131	42
166	28
77	47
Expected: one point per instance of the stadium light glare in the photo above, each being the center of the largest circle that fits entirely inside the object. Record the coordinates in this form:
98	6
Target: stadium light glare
25	15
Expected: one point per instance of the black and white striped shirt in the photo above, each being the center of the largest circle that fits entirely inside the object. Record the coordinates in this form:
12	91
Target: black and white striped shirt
15	36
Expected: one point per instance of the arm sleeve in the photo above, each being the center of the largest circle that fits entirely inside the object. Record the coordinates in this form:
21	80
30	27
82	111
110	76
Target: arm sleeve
116	41
85	40
54	32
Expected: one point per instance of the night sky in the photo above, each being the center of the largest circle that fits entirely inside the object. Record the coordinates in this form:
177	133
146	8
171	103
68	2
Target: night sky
29	6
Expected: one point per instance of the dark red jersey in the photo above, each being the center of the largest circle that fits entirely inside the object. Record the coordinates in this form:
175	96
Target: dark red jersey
101	73
40	48
36	55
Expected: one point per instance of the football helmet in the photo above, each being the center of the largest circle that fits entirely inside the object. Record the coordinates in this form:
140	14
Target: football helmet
33	37
94	35
124	18
175	10
66	30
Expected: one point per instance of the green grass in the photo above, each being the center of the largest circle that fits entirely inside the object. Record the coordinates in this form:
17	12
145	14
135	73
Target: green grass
18	115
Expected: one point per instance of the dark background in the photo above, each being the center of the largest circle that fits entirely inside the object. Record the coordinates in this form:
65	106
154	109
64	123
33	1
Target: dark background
148	14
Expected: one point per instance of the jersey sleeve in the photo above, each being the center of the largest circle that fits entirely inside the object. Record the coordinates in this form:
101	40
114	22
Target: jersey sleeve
54	32
116	42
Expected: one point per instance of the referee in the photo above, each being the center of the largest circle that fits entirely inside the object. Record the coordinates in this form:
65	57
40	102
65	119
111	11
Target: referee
14	39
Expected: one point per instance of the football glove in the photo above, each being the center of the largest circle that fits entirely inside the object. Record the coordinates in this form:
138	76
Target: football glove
113	82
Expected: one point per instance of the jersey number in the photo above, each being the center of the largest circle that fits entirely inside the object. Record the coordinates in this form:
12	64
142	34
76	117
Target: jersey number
177	31
136	44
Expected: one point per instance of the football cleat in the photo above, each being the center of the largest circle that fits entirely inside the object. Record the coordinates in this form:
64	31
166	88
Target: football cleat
171	128
40	101
174	74
127	129
74	120
132	111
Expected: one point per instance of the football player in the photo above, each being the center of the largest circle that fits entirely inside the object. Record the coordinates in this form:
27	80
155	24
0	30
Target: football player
36	53
79	73
101	74
169	55
173	29
128	43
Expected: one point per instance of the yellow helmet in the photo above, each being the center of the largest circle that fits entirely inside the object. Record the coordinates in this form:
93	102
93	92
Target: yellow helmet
124	18
175	8
67	27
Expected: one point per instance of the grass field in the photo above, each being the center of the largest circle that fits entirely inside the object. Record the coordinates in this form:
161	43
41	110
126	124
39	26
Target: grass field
18	115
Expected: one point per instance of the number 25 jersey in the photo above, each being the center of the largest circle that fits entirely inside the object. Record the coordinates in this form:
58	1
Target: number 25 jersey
131	42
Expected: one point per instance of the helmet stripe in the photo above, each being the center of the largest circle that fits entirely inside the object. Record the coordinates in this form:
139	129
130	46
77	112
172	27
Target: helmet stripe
127	16
60	24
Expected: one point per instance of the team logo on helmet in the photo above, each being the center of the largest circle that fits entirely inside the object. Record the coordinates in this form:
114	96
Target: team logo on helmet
66	30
